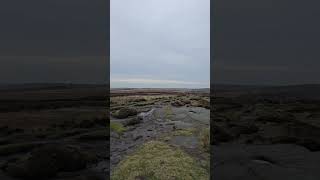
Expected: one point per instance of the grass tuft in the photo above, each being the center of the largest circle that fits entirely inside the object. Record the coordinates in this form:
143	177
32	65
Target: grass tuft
117	127
168	112
158	161
184	132
205	139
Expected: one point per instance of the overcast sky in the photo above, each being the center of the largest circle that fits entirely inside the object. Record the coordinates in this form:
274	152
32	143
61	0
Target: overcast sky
160	43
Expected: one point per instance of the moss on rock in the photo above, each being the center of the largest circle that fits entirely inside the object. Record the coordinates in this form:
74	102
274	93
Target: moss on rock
117	127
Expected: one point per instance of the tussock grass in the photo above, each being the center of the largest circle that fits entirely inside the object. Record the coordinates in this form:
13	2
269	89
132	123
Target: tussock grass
184	132
205	139
168	112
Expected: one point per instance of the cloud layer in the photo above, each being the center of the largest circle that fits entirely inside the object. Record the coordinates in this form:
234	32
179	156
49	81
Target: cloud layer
162	43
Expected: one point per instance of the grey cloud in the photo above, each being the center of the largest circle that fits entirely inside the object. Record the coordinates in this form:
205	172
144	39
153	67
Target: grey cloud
166	40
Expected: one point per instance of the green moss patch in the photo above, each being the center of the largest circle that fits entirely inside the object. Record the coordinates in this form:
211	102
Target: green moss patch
117	127
184	132
158	161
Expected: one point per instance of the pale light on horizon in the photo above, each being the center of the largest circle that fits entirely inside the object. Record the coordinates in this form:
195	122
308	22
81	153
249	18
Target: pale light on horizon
143	82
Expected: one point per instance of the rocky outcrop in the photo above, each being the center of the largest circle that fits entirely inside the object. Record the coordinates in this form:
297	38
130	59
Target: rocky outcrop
124	113
177	103
47	161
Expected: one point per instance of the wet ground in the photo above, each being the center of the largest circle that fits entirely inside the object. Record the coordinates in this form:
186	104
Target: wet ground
178	126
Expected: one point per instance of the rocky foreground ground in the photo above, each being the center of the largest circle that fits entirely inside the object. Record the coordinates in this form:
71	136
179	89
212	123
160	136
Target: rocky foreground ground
267	133
55	132
160	137
61	133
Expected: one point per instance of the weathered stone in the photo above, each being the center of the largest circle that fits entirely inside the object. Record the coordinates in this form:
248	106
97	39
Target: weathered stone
132	121
177	103
124	113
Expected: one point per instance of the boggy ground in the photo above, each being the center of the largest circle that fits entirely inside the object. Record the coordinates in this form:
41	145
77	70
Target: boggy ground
266	133
160	136
54	132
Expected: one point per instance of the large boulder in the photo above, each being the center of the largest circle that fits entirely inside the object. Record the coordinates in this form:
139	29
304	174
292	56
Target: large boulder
124	113
177	103
133	121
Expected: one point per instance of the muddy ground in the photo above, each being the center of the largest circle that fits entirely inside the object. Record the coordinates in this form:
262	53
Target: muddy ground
179	120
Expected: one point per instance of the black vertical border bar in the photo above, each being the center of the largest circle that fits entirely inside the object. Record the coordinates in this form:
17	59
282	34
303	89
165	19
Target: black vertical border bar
108	81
